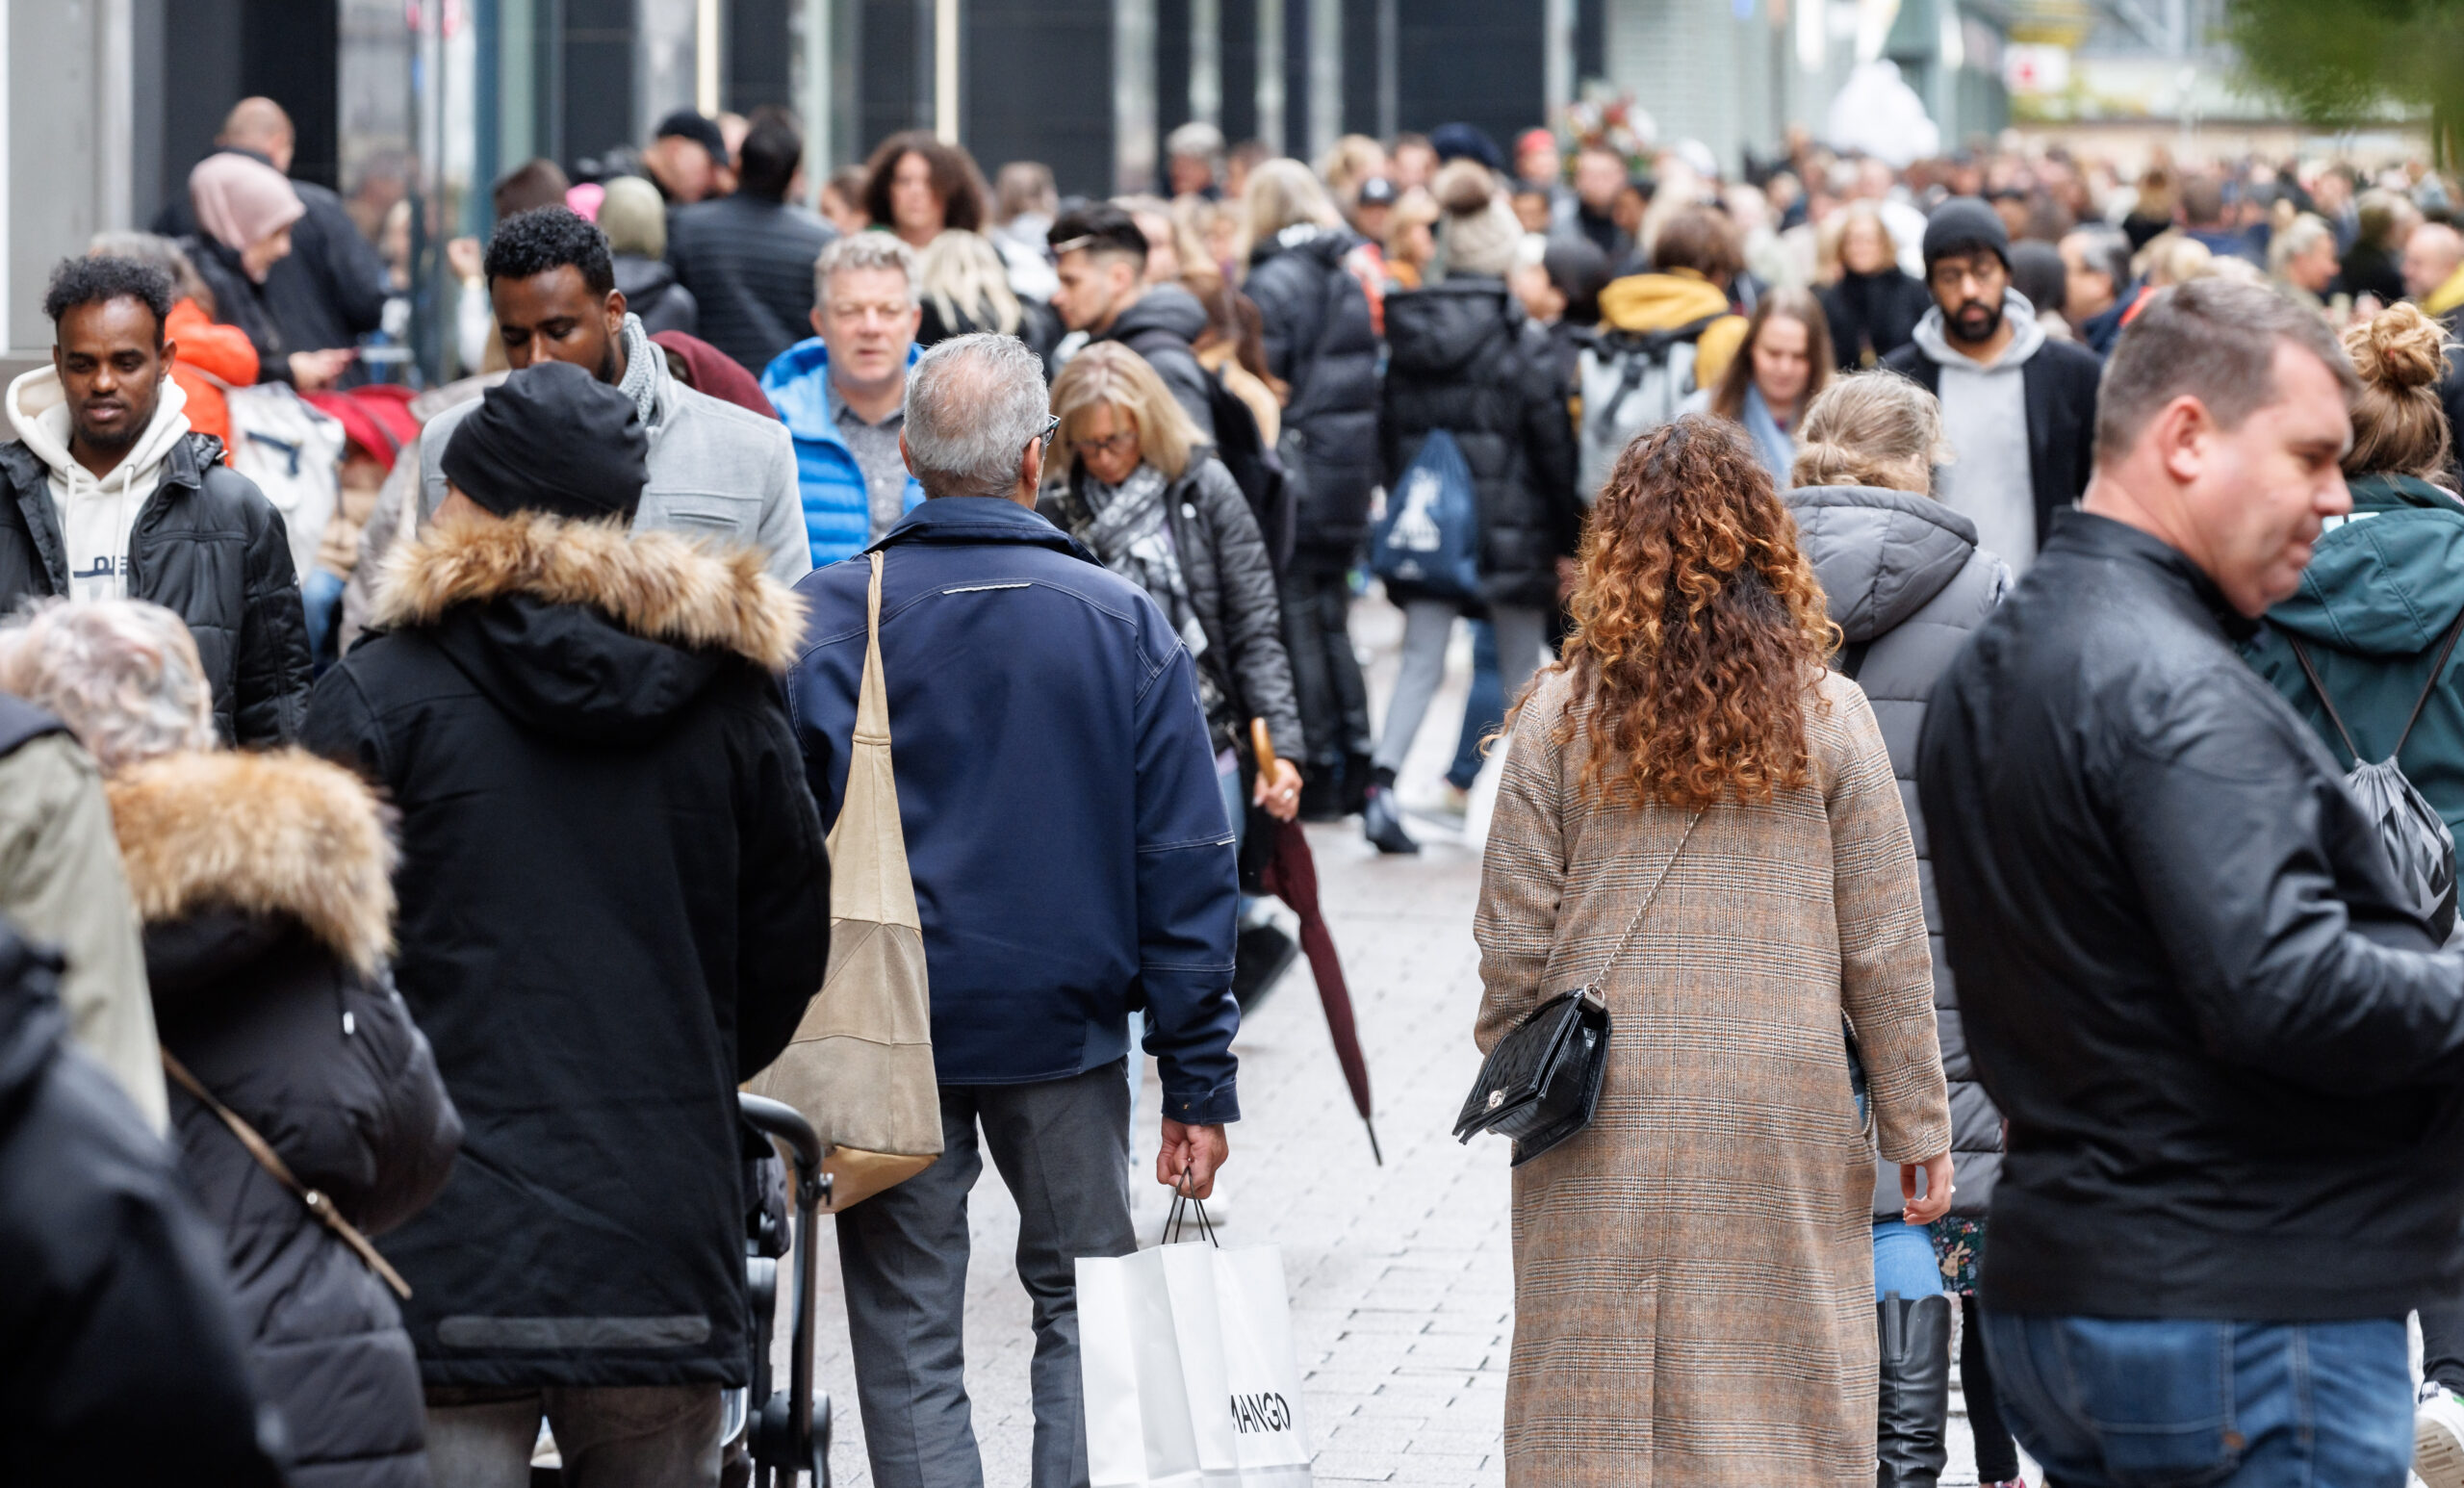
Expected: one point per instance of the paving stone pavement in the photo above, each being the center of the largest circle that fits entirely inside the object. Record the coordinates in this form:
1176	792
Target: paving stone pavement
1400	1275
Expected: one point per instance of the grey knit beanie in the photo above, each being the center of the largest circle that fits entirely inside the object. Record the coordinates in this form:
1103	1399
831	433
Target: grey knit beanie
1479	231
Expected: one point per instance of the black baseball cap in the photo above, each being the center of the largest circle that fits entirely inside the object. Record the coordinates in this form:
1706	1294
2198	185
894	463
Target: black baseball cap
685	124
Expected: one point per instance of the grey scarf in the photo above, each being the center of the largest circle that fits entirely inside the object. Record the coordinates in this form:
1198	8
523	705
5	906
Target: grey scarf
644	361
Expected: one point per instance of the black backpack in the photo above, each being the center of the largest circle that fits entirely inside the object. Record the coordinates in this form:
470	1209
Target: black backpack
2419	846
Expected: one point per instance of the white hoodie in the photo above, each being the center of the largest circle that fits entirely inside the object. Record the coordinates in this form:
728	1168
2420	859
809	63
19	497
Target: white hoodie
95	515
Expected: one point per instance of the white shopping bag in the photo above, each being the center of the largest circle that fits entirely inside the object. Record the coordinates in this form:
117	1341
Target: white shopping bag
1190	1382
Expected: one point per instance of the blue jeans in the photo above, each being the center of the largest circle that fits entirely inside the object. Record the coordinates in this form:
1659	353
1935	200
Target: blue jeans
320	597
1904	1262
2105	1401
1483	708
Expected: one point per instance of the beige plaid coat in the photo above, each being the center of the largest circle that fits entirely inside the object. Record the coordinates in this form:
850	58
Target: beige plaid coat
1693	1274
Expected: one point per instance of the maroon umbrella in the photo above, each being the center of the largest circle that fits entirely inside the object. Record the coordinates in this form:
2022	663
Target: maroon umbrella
1292	876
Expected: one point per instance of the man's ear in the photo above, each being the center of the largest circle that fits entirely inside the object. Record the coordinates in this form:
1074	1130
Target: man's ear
906	458
615	312
815	318
2182	428
171	354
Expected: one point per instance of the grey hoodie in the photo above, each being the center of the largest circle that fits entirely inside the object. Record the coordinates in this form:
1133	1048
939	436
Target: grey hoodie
1907	583
1984	416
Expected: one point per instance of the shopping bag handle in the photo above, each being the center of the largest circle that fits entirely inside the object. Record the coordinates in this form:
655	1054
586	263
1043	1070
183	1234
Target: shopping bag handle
1182	1204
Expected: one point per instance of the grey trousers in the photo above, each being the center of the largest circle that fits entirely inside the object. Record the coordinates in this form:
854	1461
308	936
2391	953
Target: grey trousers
653	1436
1062	1149
1523	634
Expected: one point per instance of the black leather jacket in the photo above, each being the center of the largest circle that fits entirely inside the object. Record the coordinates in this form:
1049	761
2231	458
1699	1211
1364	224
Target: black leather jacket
2231	1064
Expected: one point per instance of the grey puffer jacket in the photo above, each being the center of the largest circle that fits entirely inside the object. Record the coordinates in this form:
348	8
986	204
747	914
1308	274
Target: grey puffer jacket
1906	584
1223	562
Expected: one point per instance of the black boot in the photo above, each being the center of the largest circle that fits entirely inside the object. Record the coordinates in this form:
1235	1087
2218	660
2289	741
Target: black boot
1915	1404
1383	821
1358	775
1260	954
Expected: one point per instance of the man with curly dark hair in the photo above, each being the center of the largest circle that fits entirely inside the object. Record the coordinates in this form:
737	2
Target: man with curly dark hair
717	471
109	496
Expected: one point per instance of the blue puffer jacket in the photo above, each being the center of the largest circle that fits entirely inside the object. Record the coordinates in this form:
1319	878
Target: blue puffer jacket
1063	826
838	516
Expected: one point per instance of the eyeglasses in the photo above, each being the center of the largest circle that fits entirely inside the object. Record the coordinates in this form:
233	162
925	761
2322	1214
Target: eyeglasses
1051	426
1111	444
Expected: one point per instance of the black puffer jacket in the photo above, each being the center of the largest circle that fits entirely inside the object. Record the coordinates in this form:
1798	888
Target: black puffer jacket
1231	586
1162	327
264	882
1906	584
207	546
615	906
1463	357
119	1364
2233	1065
1318	339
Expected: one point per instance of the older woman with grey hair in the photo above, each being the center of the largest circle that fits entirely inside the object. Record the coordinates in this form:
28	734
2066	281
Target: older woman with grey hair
264	884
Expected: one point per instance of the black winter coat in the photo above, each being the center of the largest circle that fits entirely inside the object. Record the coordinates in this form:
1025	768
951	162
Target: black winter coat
120	1362
749	263
329	291
1463	357
209	546
239	300
1876	312
614	907
264	882
1318	339
1232	587
2233	1064
1162	327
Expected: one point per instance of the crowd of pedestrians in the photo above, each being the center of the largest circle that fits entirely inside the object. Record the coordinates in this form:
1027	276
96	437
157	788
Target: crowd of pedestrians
1972	648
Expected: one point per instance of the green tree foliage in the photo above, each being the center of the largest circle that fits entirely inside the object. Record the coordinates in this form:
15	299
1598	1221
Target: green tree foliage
2352	62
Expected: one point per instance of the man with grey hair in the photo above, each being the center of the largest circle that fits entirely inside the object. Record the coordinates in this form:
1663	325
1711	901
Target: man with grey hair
2301	260
2215	1011
842	393
1071	860
1192	159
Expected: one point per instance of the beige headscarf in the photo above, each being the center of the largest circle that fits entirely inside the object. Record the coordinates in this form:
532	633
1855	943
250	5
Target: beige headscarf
242	201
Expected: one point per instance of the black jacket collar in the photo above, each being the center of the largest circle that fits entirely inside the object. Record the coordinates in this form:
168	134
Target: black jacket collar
2164	566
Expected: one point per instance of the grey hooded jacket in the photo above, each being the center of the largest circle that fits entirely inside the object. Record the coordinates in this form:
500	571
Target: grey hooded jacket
1907	583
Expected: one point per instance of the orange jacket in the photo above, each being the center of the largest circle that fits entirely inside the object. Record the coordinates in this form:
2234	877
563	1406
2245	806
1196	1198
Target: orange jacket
223	352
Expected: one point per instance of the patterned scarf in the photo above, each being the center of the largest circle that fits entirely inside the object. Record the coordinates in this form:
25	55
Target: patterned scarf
1125	526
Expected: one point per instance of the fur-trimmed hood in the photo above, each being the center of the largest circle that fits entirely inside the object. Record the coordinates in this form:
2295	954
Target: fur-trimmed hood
656	585
277	834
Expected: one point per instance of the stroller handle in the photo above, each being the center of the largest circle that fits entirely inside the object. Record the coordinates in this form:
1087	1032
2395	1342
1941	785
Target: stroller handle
777	1119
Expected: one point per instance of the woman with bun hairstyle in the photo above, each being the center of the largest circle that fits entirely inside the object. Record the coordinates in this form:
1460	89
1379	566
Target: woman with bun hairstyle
1462	356
1906	584
2384	588
2386	583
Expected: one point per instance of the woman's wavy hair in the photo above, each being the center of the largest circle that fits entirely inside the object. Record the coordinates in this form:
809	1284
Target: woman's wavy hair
1699	628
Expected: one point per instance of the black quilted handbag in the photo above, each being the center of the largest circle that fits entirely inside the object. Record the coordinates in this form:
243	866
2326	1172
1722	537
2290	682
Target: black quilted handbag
1541	1084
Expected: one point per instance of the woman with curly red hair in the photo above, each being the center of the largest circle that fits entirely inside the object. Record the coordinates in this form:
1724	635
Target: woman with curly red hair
1700	819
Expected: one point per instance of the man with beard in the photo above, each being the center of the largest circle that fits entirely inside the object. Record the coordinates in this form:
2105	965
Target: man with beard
105	495
716	471
2019	410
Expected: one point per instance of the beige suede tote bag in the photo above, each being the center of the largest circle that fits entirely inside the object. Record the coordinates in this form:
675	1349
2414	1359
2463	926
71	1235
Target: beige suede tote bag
861	1065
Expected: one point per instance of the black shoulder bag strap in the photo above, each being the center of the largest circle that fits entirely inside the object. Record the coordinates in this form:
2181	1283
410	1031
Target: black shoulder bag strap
2429	684
1852	659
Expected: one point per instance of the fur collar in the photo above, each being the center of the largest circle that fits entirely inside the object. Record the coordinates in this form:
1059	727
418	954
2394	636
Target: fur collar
282	833
656	586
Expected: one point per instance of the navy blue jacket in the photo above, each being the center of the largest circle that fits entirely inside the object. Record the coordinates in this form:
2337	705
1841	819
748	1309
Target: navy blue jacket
1063	826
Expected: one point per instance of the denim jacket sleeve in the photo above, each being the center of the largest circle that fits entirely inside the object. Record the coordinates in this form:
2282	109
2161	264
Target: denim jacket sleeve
1188	893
